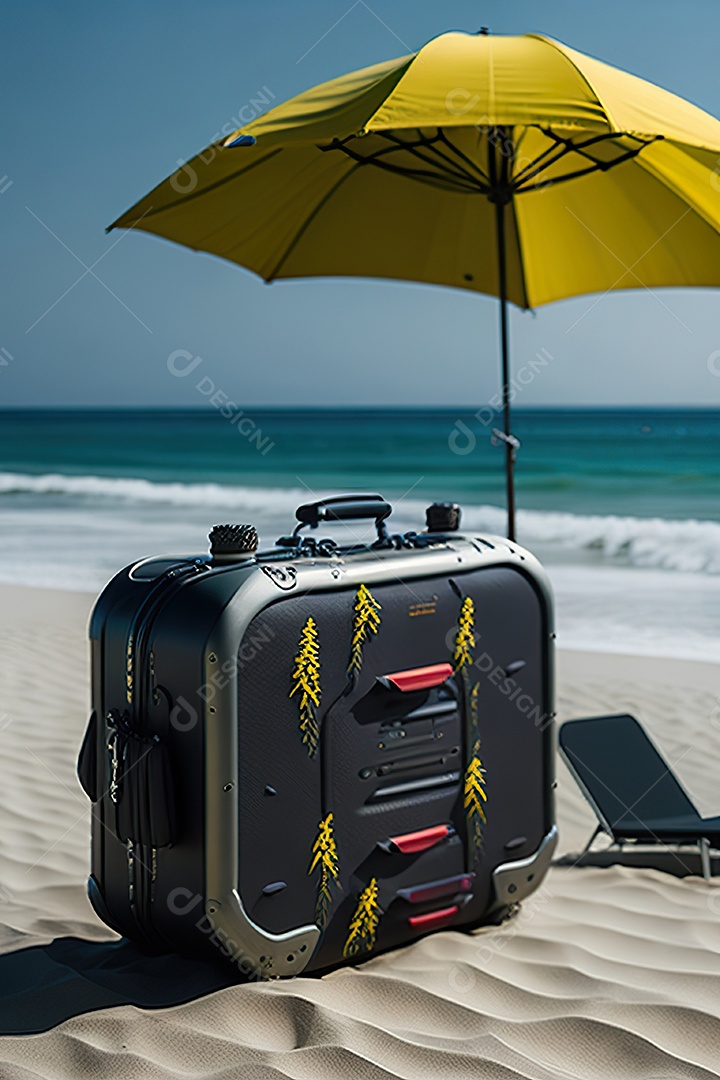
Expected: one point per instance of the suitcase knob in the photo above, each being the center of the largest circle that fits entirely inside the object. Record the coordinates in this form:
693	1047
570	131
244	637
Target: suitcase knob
230	543
442	517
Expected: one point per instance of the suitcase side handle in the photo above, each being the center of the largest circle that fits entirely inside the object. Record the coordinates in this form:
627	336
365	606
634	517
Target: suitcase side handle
344	508
414	842
422	678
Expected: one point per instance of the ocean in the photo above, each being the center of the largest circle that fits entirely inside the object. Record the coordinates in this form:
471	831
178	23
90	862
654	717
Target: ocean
622	506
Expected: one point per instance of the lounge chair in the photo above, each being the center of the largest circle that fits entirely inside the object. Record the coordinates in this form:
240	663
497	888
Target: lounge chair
631	788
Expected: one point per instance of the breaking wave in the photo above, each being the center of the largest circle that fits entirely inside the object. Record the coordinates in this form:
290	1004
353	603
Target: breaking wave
690	546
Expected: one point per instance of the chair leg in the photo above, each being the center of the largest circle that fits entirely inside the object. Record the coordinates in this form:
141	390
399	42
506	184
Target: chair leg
704	846
589	844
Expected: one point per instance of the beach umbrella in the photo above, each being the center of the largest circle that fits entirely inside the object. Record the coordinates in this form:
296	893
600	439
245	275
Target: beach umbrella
510	166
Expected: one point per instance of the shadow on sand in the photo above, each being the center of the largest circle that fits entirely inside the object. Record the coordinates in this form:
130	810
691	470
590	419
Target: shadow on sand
46	984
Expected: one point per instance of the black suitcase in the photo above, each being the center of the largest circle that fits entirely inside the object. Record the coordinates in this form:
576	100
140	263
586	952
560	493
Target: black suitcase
310	754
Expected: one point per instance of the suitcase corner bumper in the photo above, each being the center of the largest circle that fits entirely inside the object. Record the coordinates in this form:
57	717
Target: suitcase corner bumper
515	881
256	952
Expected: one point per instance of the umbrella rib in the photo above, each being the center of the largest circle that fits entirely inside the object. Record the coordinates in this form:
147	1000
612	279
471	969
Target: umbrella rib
566	146
521	261
596	166
203	191
463	157
526	186
449	174
521	138
437	179
455	172
658	174
309	220
553	149
558	48
429	144
581	147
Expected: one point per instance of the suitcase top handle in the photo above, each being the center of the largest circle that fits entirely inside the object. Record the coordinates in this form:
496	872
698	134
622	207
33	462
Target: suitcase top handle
344	508
339	508
441	518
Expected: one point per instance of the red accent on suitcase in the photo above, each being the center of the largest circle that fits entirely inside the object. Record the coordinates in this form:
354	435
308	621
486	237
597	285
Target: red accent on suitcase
412	842
432	919
421	678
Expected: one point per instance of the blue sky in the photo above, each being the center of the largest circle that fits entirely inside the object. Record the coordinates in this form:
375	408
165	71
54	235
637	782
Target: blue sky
101	100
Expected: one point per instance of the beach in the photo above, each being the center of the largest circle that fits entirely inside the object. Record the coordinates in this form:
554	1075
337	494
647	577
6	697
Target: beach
423	340
604	973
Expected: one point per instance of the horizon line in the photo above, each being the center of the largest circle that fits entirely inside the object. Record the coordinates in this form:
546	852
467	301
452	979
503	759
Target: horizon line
463	409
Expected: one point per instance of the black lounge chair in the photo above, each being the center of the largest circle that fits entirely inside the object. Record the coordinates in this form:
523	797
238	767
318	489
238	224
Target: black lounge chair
631	788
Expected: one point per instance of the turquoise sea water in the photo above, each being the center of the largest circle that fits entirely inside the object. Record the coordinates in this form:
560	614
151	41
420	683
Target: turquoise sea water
623	506
651	463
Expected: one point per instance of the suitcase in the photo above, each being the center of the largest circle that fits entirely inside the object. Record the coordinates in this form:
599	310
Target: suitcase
304	756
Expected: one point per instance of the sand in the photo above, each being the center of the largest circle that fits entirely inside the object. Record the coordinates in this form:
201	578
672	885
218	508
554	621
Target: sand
605	973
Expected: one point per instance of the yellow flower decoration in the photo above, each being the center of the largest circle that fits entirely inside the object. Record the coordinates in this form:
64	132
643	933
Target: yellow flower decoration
475	799
306	683
474	711
325	856
362	930
465	637
366	622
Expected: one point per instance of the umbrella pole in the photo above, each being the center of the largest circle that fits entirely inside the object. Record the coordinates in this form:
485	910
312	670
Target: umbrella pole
509	440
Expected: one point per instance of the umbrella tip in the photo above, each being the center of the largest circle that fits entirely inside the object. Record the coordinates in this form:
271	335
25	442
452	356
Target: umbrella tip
484	30
241	140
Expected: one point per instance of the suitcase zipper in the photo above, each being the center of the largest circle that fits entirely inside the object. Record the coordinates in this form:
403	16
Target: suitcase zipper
145	664
141	876
131	874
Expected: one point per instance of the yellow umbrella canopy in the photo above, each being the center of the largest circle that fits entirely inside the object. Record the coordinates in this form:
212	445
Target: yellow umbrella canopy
511	166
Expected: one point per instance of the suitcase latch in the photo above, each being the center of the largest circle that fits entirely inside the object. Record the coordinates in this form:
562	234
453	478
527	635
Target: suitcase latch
285	577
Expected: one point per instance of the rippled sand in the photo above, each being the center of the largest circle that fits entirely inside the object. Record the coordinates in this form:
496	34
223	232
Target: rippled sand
604	974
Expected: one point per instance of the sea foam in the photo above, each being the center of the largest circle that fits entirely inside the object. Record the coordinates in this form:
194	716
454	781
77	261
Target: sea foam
691	546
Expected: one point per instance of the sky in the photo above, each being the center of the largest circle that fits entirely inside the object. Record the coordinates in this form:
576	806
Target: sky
102	100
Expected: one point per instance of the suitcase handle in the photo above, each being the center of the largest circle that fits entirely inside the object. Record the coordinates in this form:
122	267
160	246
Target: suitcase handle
344	508
422	678
413	842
